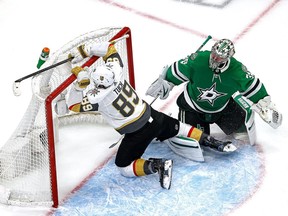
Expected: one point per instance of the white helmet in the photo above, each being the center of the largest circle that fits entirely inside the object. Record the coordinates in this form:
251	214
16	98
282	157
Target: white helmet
103	76
221	52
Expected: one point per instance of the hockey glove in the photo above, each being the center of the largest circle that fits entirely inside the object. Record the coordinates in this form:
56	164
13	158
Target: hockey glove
83	51
160	87
268	112
83	79
61	107
79	53
99	49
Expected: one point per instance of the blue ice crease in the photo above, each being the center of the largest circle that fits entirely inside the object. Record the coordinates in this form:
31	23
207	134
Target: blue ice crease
212	188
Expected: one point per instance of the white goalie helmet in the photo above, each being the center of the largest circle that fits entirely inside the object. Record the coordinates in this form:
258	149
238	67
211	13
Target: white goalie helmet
221	52
103	76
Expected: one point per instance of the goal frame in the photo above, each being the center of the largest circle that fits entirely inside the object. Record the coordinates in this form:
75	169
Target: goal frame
28	168
61	88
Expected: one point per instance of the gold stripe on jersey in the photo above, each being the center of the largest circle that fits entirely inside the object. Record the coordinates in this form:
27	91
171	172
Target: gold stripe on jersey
133	120
111	50
75	107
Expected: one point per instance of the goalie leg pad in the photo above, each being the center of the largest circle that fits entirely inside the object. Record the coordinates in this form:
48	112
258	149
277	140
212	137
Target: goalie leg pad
186	147
251	129
247	132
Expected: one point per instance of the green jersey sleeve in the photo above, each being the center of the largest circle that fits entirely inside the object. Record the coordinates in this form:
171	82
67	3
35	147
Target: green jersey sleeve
245	82
179	72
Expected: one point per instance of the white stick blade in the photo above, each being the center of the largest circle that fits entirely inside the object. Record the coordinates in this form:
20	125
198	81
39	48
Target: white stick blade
16	89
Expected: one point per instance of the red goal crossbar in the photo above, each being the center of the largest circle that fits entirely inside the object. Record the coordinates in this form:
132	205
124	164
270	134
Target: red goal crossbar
59	90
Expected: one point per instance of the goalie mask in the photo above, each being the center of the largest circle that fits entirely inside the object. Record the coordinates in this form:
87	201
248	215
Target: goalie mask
103	77
221	52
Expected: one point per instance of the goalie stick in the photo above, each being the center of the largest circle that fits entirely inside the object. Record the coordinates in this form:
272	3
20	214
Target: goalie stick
203	44
16	84
199	48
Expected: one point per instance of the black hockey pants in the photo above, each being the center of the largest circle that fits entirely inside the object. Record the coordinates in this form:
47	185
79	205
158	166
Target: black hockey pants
229	120
133	145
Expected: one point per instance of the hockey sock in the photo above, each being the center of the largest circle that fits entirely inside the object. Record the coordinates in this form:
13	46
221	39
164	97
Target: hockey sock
143	167
189	131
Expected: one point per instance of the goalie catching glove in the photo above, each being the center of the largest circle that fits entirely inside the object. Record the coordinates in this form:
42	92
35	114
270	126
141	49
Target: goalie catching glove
83	79
83	51
160	87
268	112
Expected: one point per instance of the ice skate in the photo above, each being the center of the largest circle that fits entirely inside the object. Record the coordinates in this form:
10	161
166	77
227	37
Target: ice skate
221	146
164	169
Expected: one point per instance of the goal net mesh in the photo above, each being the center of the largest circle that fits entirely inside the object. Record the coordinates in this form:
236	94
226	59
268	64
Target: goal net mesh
25	166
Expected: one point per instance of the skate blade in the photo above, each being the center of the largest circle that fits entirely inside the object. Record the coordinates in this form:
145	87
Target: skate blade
167	178
230	148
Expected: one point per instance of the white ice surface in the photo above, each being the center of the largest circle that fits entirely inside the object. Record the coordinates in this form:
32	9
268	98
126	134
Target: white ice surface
163	31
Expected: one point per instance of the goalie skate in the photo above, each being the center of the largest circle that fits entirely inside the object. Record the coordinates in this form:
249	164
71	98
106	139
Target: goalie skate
221	146
164	169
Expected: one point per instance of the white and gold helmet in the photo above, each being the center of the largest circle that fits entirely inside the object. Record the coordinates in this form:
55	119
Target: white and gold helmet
103	76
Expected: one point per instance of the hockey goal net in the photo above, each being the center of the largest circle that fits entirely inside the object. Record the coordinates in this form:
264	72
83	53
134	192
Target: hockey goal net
27	160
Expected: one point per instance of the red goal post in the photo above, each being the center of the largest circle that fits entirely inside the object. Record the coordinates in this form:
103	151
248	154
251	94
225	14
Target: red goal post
32	146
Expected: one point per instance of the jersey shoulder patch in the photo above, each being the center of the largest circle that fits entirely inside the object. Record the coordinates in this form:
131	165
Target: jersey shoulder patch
193	56
248	73
86	106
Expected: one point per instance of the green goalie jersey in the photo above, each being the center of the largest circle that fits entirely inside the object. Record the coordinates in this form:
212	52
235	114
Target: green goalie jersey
209	92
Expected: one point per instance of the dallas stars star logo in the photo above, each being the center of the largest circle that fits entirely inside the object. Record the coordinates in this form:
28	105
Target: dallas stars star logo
209	94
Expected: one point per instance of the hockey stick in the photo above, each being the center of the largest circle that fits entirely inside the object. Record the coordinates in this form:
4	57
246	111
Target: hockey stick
154	100
203	44
16	84
199	48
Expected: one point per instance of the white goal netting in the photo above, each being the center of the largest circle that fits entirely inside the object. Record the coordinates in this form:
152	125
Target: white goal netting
27	159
